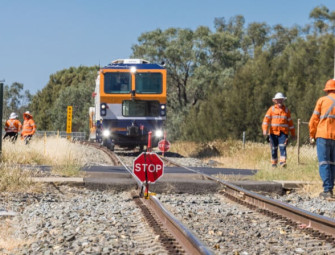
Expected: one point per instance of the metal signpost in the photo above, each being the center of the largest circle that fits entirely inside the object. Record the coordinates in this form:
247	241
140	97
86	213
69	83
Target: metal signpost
148	168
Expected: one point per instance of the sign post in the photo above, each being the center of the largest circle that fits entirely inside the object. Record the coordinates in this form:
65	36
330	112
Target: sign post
1	110
148	168
69	122
164	145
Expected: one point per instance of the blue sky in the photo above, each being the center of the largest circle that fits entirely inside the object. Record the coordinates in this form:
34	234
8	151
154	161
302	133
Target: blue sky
40	37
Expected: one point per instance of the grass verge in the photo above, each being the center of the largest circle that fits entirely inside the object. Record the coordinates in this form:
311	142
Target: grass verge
235	154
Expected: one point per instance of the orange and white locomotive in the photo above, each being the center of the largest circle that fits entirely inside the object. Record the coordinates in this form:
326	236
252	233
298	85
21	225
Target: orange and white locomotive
130	102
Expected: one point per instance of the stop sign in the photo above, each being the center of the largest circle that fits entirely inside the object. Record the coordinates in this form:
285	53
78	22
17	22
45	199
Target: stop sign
163	145
150	165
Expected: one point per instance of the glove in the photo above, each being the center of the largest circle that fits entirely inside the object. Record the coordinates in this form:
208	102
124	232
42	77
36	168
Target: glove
286	141
267	138
311	141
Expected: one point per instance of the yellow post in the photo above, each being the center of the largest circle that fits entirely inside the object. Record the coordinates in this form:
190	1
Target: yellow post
69	122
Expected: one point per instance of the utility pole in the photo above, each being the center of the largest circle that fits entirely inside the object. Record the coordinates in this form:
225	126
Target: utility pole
1	109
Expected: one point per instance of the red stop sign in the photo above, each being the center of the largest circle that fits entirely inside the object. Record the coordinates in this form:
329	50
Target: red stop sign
150	165
163	145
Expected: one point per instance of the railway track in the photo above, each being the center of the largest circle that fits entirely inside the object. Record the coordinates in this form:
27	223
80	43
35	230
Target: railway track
175	237
316	226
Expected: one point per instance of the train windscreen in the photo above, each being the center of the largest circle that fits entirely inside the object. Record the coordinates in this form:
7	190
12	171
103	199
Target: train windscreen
117	83
148	83
136	108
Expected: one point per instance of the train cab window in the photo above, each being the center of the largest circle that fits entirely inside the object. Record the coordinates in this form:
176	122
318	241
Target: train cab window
136	108
117	83
148	83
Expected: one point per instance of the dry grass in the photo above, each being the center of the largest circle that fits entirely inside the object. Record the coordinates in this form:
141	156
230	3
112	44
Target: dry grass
49	151
64	157
233	154
13	179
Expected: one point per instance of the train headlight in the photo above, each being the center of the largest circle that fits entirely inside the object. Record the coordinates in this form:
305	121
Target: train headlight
163	110
159	133
106	133
103	109
133	69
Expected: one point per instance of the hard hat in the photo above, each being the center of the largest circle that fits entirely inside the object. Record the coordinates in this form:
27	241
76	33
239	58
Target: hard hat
28	113
13	115
279	95
330	85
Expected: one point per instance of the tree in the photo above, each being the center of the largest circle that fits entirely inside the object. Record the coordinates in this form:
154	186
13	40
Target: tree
15	99
43	102
197	62
80	98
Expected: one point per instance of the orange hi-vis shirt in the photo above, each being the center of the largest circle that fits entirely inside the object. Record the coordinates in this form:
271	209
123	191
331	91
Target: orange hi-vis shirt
322	122
13	125
278	120
29	127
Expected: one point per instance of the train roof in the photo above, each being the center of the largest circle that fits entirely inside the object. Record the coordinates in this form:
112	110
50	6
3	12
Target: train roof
127	63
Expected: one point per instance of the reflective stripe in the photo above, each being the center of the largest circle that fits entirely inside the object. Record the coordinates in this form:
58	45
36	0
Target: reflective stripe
282	145
316	113
329	116
292	127
268	116
11	125
279	125
279	117
326	163
28	126
329	110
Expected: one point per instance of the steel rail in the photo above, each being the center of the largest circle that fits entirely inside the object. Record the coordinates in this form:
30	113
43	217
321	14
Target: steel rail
185	237
190	243
307	220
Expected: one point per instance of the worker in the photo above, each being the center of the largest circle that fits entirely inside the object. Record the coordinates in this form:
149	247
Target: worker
322	129
277	124
12	127
29	127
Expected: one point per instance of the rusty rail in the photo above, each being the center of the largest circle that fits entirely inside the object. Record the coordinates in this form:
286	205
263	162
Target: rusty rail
189	242
319	225
185	237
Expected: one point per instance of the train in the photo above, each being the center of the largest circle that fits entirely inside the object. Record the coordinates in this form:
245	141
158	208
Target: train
129	104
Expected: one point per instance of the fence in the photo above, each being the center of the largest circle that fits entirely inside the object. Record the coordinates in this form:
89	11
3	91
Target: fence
306	152
62	134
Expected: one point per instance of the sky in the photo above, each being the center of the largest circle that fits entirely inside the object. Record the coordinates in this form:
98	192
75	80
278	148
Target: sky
41	37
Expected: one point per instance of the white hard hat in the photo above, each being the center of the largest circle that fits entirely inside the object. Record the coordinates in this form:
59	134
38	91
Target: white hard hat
279	95
27	113
13	115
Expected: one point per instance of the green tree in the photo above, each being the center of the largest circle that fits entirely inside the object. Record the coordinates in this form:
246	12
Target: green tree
42	104
80	98
15	99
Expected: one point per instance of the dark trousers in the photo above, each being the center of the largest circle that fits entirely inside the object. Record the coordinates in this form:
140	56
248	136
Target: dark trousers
281	141
11	135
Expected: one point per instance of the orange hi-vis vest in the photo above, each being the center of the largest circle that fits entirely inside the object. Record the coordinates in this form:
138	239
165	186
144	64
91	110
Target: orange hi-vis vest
322	122
13	125
29	127
278	120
